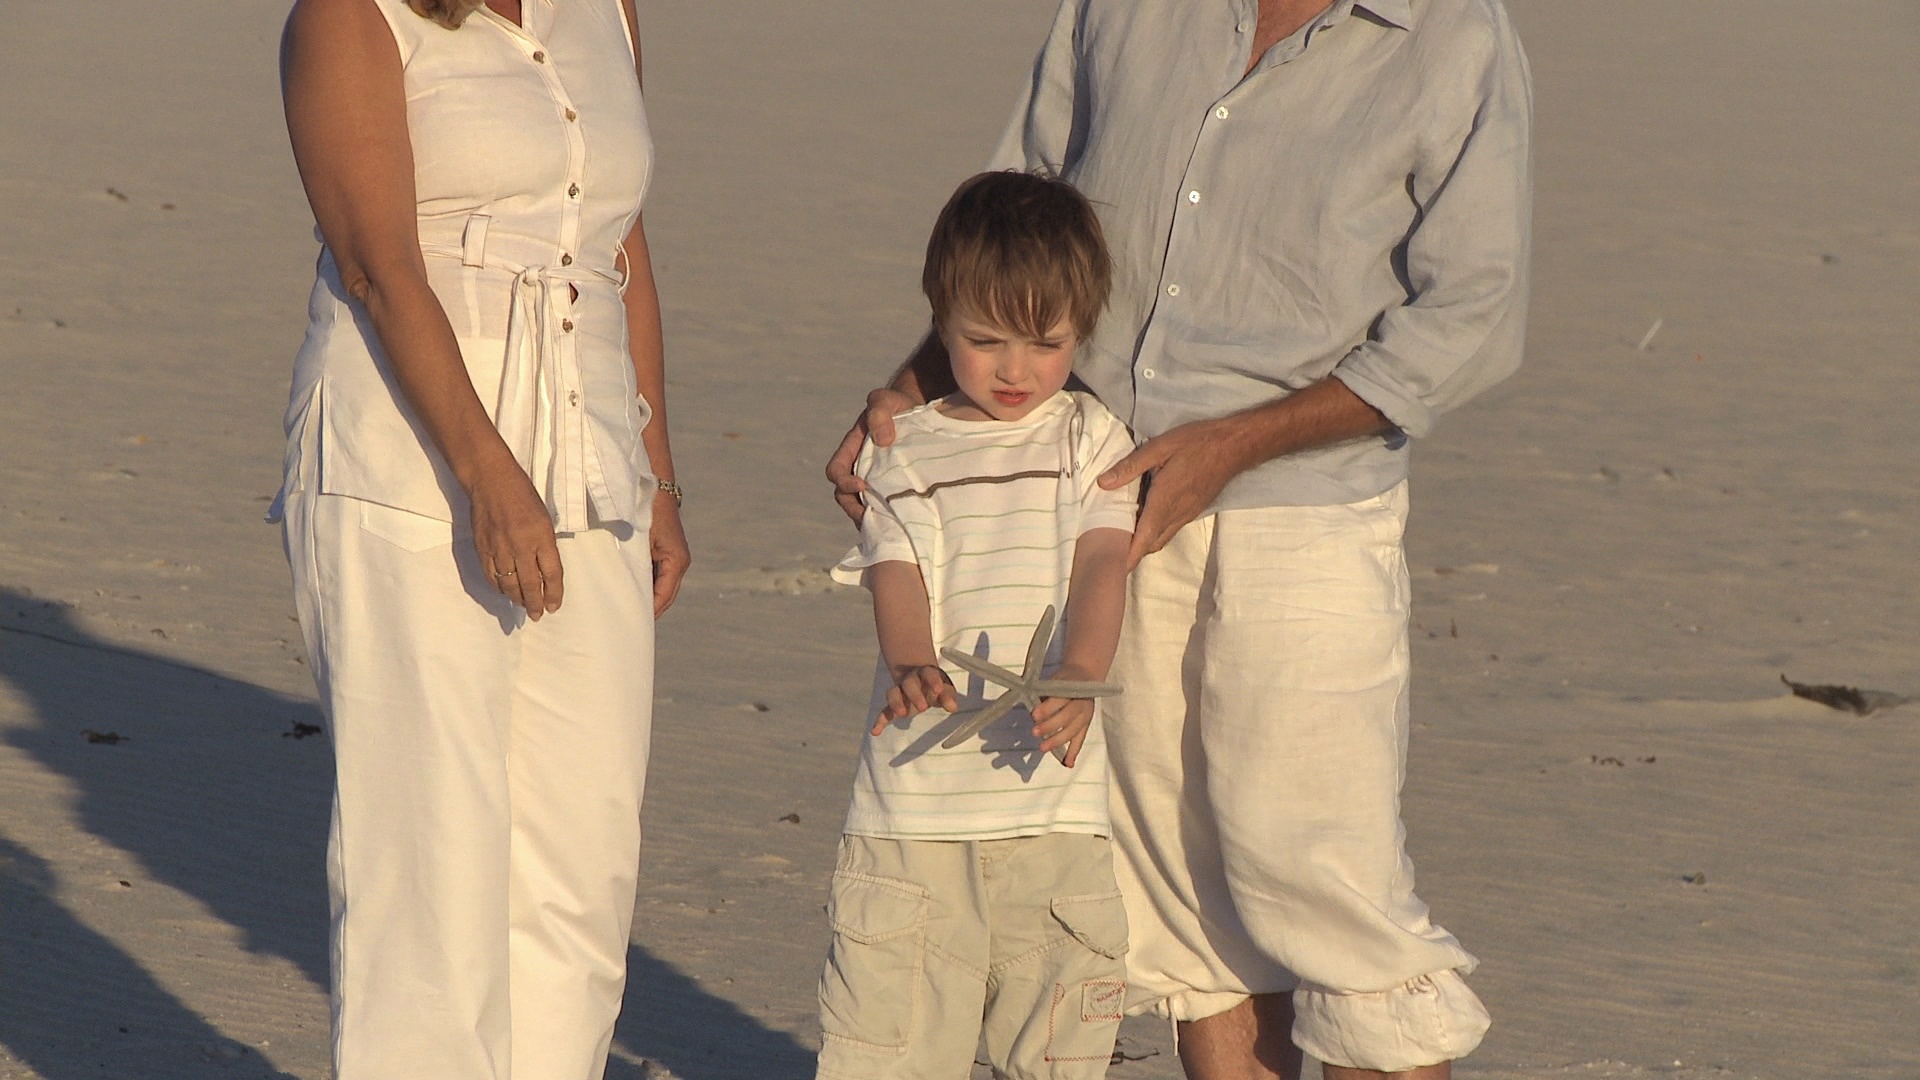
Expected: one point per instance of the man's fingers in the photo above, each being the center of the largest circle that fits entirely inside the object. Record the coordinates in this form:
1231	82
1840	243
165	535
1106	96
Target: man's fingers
851	505
1144	459
840	465
882	406
879	424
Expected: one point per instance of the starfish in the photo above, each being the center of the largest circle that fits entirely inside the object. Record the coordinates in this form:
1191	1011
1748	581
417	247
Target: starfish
1026	688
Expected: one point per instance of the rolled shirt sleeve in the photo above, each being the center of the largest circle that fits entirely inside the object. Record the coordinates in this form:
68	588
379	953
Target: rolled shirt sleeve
1048	119
1355	206
1467	259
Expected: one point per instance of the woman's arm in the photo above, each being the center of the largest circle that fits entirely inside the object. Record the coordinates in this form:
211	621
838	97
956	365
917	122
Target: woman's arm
668	538
647	346
346	114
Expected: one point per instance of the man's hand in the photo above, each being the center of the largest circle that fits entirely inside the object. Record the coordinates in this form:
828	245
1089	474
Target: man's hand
916	688
877	423
1063	722
1189	465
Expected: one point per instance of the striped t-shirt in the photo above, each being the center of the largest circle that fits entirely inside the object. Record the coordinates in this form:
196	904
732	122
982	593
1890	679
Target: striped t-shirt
989	511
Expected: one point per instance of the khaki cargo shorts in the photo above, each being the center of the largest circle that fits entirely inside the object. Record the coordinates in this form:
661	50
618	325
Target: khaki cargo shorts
941	946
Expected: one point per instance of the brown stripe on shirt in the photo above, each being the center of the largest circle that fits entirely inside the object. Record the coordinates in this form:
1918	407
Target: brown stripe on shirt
1037	474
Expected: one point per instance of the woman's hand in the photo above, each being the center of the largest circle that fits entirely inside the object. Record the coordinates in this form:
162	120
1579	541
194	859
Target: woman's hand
513	533
671	556
876	422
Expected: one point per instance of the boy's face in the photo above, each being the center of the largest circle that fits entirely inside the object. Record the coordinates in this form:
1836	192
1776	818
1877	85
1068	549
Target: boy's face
1004	374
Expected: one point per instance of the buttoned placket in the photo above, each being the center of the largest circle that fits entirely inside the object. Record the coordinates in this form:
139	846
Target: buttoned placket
1190	198
571	466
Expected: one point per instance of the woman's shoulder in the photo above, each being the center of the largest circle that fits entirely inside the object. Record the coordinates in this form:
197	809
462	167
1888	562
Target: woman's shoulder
359	24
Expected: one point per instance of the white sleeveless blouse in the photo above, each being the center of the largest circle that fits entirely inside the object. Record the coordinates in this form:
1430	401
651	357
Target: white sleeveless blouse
531	158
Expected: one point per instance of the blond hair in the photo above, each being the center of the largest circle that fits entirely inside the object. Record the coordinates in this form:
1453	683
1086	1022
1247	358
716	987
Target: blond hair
448	13
1019	251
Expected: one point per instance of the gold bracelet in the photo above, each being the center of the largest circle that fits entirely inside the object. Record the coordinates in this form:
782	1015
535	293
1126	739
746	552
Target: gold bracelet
672	489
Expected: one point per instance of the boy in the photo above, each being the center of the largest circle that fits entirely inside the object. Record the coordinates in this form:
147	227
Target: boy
975	895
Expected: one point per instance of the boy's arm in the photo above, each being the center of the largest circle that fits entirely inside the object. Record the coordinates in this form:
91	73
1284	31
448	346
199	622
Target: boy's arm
903	620
1096	602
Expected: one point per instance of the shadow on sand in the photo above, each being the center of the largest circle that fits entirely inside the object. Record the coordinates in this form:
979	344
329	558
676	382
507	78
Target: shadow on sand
213	801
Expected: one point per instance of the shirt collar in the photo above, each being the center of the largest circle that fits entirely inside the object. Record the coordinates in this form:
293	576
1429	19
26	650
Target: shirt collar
1397	12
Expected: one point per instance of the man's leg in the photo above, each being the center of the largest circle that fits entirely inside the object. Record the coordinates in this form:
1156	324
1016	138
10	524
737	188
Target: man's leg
1304	721
1251	1041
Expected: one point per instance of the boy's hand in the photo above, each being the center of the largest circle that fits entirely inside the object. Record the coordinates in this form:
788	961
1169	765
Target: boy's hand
916	688
1063	722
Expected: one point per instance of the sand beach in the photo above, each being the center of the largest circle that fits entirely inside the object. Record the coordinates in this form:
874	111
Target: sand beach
1703	479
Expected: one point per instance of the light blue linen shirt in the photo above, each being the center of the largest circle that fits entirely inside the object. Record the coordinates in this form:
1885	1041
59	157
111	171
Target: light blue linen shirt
1356	206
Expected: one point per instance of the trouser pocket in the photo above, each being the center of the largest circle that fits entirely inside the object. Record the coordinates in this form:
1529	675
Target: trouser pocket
874	967
1089	984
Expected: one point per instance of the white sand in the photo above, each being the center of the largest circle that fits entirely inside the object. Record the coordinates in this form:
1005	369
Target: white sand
1644	539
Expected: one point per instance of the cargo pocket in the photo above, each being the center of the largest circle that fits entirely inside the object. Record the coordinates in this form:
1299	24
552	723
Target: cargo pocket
872	979
1090	984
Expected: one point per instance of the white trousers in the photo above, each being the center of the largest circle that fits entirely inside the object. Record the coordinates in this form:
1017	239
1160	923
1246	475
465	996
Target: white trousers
486	825
1258	756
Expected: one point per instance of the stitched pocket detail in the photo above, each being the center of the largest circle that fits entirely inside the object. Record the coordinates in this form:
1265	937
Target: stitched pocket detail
871	984
1090	989
1096	920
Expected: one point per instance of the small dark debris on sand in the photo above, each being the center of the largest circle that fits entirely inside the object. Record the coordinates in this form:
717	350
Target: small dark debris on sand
301	730
791	819
104	738
1846	698
1698	877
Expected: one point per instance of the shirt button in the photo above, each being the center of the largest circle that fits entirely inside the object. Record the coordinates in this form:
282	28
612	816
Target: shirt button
539	58
566	260
573	398
572	116
566	326
1221	112
573	191
1173	290
1146	373
1193	196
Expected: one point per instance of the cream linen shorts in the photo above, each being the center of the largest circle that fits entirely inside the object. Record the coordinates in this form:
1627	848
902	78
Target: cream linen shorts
941	945
1258	755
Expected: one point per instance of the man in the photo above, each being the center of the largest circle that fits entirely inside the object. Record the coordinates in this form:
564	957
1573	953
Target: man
1319	223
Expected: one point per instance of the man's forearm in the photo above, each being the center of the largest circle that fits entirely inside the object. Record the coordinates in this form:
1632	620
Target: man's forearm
927	373
1323	414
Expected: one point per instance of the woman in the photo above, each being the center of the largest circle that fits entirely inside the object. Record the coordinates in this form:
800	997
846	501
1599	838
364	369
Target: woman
480	517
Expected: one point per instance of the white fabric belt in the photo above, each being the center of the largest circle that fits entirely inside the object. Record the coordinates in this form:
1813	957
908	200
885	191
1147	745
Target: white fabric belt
539	413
